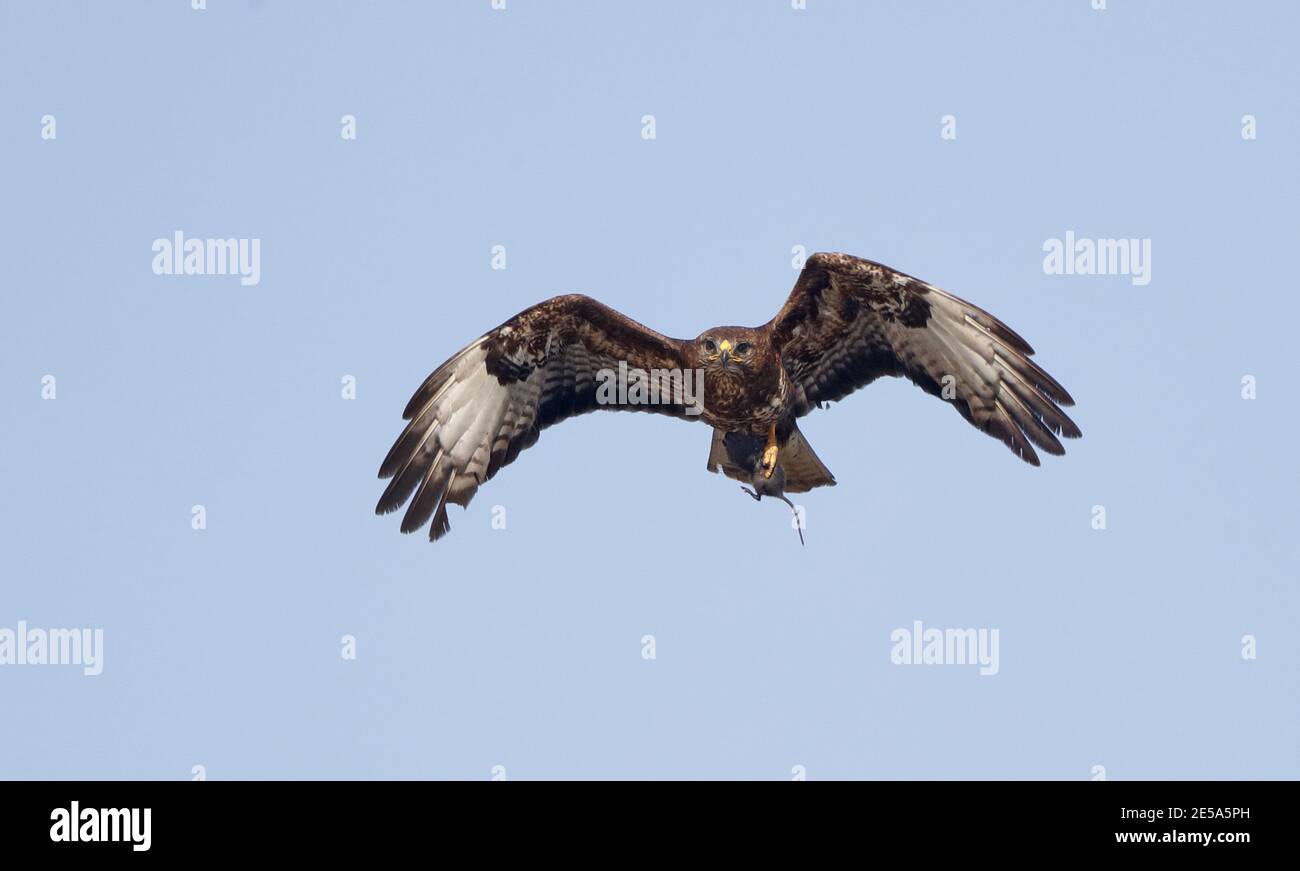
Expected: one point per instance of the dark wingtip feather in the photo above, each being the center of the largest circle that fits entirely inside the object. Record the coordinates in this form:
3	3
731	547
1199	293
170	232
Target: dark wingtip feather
1010	336
427	498
397	492
392	460
440	525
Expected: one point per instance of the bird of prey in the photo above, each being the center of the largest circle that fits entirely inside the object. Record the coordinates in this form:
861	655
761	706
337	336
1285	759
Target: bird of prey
847	322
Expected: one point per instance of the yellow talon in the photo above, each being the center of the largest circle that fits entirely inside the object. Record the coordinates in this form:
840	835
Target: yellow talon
769	453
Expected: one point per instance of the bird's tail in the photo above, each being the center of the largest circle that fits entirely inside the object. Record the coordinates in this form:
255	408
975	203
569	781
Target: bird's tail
804	470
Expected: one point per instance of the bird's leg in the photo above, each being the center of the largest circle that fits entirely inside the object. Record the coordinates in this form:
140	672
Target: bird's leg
769	453
757	497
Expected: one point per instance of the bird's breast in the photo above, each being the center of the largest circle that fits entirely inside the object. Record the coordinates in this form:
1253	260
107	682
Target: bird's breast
742	402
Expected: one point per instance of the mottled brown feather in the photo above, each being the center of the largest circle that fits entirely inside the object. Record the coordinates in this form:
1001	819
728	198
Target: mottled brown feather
849	321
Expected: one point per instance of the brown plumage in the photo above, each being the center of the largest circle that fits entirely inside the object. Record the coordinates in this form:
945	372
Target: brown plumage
847	322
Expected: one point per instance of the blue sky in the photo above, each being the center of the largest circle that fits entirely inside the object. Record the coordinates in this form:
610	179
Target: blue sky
522	648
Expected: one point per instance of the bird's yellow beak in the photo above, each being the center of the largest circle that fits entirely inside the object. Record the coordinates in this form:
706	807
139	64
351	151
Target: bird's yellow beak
725	347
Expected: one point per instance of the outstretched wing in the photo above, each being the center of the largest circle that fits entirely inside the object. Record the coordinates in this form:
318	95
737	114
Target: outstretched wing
478	410
849	321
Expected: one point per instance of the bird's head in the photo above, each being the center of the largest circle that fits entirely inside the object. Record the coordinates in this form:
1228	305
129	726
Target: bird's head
732	350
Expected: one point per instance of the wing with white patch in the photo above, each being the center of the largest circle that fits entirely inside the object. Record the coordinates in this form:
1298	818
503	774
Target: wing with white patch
490	401
849	321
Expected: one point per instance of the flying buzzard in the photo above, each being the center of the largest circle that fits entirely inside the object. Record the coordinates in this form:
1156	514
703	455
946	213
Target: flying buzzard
847	322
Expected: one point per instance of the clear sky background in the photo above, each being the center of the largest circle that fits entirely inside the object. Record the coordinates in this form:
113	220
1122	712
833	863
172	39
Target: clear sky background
522	647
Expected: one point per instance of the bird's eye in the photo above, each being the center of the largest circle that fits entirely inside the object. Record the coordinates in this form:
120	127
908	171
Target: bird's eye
743	348
710	346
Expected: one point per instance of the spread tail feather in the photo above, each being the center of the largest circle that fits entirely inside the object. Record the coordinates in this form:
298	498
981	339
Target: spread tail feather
804	470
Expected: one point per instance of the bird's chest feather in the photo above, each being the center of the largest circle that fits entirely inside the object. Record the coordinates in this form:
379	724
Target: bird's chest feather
750	401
